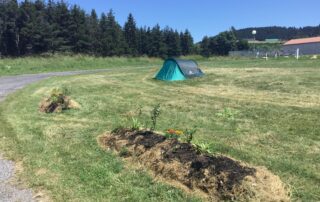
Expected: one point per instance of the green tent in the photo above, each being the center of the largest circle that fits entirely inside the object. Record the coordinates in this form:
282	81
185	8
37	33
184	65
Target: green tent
177	69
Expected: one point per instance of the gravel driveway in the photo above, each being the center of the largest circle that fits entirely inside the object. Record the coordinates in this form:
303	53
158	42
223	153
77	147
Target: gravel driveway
9	84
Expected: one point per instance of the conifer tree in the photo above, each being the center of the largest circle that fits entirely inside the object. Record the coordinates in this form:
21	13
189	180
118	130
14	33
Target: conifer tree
205	51
39	26
24	24
93	26
2	18
157	47
40	35
62	19
78	31
111	36
186	42
143	38
10	34
53	39
172	40
130	34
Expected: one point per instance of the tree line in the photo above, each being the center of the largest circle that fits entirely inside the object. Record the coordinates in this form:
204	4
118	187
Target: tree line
275	32
38	26
222	44
35	27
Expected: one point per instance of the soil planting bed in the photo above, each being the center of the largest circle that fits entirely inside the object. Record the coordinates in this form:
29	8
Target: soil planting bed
215	177
64	103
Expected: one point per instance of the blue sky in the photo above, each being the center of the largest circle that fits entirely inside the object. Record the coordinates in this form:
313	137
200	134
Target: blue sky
209	17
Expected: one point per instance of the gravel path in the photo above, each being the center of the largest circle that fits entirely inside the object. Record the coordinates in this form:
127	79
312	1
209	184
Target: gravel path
9	193
9	84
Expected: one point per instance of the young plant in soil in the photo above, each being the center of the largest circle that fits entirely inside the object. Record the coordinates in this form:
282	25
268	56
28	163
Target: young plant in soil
136	125
155	113
135	117
189	134
203	148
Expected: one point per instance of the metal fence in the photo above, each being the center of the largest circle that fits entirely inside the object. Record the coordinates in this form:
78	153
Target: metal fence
256	54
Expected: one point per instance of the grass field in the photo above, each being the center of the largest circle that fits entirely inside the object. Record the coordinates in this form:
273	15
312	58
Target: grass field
275	105
58	63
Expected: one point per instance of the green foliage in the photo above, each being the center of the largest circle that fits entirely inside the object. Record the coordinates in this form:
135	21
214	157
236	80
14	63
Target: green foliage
172	40
111	36
9	38
186	43
276	32
57	96
94	32
37	27
204	47
204	148
130	35
189	134
222	44
228	114
135	118
155	113
157	48
79	33
243	45
136	125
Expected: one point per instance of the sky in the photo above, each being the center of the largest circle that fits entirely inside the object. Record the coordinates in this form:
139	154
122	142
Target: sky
209	17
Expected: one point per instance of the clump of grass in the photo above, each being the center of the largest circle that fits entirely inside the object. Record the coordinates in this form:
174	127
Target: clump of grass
56	102
204	148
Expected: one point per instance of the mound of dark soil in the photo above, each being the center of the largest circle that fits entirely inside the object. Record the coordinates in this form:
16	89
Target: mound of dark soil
218	177
48	105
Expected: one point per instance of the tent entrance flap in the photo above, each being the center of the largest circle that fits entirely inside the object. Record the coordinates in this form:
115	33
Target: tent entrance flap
170	72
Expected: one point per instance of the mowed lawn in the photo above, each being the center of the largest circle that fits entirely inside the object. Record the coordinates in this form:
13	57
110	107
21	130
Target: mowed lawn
275	105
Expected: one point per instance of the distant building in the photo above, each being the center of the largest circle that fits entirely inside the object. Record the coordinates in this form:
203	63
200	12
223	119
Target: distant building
266	41
272	41
306	46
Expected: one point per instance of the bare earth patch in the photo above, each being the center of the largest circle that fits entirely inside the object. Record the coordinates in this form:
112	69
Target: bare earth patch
49	106
215	177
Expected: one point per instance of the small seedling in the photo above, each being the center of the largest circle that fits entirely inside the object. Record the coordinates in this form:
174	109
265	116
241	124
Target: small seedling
189	134
203	148
155	113
136	125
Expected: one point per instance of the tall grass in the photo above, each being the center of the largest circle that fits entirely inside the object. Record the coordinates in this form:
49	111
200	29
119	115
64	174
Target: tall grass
57	63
